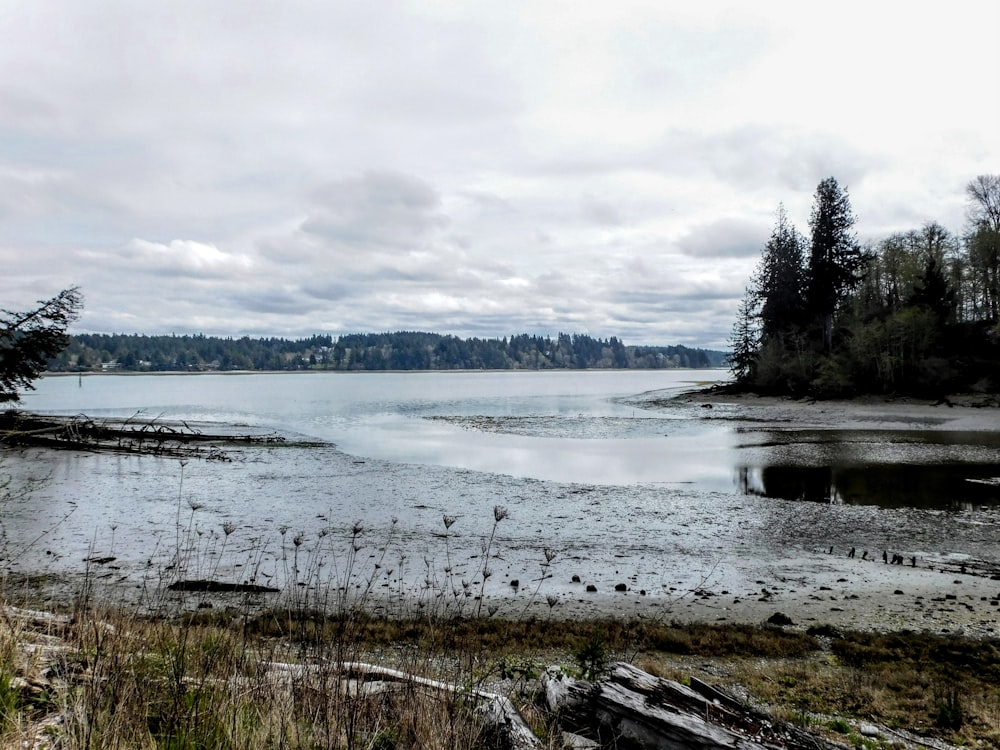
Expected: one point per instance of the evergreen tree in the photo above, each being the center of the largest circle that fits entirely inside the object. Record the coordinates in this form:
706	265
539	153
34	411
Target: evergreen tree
780	279
29	339
836	260
745	340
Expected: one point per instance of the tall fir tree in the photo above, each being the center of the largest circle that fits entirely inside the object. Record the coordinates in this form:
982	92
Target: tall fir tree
836	259
745	340
779	280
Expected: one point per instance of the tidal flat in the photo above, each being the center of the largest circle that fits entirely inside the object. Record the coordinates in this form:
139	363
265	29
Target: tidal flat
709	508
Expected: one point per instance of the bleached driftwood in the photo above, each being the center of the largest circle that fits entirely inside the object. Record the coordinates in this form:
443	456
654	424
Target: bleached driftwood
498	710
650	712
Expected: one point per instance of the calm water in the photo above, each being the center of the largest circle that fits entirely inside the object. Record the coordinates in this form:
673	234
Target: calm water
582	462
558	426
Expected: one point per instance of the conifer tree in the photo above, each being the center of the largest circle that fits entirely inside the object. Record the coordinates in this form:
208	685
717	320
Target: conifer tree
779	281
745	340
29	339
836	260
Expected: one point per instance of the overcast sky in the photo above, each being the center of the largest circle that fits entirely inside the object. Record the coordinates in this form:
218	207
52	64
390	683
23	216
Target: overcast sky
475	168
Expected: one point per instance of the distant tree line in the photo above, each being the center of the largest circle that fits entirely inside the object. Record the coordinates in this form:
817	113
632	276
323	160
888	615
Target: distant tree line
403	350
915	313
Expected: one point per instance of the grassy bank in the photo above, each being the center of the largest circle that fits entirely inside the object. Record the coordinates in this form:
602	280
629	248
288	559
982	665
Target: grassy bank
105	677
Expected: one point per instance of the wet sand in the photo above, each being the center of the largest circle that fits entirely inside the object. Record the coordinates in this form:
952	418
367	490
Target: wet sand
973	413
846	593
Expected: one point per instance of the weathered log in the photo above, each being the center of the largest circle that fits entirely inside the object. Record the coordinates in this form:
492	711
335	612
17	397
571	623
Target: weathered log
132	435
497	710
633	709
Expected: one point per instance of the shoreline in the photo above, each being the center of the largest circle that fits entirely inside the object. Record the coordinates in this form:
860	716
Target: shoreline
862	595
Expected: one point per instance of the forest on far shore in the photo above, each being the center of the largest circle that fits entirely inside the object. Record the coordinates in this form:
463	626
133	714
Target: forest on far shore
403	350
915	313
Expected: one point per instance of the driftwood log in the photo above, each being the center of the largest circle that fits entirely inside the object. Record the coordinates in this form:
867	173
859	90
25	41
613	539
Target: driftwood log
136	434
498	711
633	709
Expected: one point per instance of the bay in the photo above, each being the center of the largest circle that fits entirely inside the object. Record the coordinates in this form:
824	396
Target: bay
607	472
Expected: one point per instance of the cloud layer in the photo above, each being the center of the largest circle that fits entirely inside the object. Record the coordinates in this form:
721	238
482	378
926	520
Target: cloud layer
477	168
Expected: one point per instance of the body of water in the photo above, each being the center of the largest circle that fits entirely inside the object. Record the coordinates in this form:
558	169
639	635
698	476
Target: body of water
601	471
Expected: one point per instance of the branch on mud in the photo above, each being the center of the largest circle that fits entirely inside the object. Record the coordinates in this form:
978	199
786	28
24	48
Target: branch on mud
132	435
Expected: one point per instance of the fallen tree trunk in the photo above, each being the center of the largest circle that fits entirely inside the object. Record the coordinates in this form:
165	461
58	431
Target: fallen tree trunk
498	711
633	709
136	434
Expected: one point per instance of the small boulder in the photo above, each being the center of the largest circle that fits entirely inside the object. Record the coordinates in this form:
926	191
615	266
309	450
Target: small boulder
780	619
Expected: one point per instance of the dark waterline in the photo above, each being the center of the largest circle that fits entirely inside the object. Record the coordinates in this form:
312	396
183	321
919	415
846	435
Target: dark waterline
937	486
928	469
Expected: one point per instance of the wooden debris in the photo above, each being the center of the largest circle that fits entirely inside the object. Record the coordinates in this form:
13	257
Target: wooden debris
631	708
135	434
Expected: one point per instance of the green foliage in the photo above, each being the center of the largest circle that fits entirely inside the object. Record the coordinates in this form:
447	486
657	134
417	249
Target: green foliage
839	726
404	350
745	341
836	260
592	657
10	699
949	714
28	340
917	315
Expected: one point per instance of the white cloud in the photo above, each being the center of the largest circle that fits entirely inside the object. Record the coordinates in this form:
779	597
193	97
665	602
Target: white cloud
478	169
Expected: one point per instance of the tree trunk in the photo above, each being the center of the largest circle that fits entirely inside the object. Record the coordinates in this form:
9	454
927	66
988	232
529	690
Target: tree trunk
633	709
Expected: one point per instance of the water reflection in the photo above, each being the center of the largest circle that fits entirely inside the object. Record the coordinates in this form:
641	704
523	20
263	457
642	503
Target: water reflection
930	469
930	486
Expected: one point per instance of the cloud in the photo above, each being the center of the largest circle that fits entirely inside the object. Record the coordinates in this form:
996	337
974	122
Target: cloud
380	210
725	238
185	258
286	169
600	212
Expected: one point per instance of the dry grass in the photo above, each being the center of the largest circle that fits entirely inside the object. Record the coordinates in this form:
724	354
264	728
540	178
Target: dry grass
120	680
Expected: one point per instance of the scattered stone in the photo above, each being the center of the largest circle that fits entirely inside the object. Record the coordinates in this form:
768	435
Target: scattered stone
868	730
591	588
898	592
514	583
780	619
572	741
575	579
621	587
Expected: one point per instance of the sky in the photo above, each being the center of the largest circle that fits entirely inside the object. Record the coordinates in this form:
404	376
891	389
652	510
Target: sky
472	168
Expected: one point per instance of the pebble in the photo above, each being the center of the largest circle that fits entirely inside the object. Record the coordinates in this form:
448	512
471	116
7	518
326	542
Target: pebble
868	730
